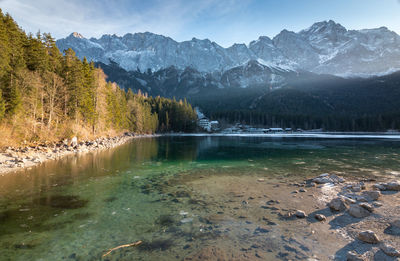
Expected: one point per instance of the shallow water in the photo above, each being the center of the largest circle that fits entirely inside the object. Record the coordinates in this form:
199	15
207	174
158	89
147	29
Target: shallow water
79	207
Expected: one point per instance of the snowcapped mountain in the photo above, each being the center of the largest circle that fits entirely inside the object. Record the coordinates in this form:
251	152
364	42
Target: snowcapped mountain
176	82
325	47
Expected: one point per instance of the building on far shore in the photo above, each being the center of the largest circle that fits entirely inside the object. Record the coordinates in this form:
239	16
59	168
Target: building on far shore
274	130
205	124
214	125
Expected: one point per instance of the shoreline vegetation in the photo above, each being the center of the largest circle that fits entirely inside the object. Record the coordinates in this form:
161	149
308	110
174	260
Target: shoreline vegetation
47	96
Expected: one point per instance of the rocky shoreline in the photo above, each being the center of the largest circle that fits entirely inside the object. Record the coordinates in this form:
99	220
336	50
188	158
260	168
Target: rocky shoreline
15	159
359	202
322	218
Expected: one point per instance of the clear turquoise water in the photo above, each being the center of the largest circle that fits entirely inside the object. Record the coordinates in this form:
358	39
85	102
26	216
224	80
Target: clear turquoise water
78	207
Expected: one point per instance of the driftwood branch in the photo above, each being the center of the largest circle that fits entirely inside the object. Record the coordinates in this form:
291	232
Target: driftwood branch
122	246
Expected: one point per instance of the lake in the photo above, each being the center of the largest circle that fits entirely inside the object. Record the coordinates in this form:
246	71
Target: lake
160	191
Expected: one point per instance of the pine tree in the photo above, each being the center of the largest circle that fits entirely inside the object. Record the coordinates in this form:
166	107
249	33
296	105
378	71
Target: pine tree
2	106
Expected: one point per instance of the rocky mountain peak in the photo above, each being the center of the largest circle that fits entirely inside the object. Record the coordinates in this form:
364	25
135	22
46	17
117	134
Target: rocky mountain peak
77	35
324	27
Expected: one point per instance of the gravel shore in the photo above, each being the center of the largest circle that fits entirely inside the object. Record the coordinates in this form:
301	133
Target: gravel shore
15	159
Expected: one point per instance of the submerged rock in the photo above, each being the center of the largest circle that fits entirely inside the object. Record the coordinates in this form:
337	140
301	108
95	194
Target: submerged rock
358	212
300	214
261	230
353	256
337	204
186	220
396	223
320	217
389	250
368	236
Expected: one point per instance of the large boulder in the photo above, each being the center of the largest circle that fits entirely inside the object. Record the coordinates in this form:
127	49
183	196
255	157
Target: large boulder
337	204
358	211
368	236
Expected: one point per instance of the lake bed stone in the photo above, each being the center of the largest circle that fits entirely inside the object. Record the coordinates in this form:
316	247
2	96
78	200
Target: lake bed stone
337	204
368	236
389	250
320	217
358	212
300	214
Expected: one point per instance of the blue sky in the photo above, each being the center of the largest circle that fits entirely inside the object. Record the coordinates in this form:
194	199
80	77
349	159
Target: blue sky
223	21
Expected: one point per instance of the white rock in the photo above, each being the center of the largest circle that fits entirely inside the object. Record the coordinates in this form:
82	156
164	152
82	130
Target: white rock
349	200
300	214
186	220
320	217
183	213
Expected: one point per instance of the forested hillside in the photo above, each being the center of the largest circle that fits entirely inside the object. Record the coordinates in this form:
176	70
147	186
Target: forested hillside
46	95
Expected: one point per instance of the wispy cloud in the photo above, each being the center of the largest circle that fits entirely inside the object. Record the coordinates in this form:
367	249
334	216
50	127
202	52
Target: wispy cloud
223	21
97	17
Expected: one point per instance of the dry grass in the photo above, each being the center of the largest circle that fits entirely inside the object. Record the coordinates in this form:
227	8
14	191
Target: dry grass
23	133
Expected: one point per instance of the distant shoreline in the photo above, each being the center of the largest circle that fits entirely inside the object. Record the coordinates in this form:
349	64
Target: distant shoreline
325	135
16	159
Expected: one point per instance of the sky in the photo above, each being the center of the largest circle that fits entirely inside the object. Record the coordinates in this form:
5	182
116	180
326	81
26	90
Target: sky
222	21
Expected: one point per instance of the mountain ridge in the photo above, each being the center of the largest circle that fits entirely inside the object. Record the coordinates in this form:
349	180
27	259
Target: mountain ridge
325	47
